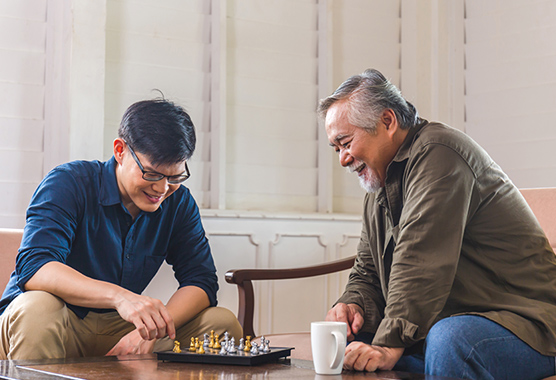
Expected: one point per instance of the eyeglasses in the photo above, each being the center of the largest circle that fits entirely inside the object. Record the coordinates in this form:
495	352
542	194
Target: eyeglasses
154	176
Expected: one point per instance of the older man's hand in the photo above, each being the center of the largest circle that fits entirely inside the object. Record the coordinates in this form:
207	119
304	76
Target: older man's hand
364	357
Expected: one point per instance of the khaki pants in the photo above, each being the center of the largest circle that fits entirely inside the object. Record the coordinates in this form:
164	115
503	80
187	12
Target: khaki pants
38	325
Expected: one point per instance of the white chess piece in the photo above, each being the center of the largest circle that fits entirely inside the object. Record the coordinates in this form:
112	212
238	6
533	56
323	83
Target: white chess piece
206	341
254	348
241	344
232	347
266	346
223	350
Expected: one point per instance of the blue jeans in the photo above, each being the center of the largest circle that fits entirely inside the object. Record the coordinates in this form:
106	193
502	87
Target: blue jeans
473	347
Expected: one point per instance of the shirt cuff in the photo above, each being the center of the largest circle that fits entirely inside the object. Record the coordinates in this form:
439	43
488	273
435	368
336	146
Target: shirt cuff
352	297
396	332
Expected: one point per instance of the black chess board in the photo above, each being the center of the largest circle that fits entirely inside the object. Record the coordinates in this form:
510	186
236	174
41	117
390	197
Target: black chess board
214	357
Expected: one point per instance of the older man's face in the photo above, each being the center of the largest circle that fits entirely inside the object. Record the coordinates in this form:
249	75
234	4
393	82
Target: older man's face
361	152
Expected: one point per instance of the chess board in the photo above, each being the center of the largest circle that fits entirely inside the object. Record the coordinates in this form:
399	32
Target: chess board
214	357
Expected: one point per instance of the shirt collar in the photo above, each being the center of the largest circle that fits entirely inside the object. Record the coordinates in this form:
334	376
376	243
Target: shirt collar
109	192
403	152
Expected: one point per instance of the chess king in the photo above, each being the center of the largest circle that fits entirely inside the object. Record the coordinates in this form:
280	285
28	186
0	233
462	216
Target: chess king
96	234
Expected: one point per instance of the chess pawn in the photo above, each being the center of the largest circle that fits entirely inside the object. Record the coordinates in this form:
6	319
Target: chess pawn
201	349
197	344
223	350
241	344
262	341
266	346
177	348
216	342
192	347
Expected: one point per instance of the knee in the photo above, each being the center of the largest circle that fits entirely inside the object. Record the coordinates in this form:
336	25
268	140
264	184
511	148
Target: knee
227	321
220	320
448	345
36	309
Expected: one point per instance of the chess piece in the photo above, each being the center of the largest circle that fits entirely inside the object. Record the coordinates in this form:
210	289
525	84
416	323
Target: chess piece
266	346
241	344
206	341
177	348
216	342
211	343
197	344
192	345
262	341
247	343
232	346
223	350
254	348
201	349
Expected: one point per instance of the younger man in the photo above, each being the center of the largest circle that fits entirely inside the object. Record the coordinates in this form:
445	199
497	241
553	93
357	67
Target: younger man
96	234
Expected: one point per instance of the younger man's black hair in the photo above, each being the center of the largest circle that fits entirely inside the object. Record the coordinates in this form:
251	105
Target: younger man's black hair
159	129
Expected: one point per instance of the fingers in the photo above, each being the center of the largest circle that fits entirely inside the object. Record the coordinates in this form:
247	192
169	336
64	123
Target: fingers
149	316
364	357
357	322
361	357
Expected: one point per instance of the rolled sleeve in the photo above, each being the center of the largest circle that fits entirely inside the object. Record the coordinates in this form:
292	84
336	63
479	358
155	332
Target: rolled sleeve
50	225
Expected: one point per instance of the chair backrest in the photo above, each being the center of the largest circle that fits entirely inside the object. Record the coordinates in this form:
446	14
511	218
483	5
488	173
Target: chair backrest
543	203
10	240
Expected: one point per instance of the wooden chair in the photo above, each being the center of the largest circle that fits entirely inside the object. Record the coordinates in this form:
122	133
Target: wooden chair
244	278
541	200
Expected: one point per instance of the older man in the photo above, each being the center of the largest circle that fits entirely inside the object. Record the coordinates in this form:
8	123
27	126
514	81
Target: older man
454	275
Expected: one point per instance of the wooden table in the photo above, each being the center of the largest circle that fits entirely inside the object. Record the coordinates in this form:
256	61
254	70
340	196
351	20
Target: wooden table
147	367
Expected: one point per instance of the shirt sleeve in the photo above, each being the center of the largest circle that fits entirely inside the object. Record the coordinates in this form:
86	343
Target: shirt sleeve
189	252
438	188
50	225
363	287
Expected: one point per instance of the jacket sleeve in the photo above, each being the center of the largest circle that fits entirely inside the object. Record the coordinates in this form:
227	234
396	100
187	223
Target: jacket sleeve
363	287
438	188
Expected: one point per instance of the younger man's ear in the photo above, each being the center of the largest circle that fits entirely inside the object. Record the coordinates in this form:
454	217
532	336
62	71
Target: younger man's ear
119	145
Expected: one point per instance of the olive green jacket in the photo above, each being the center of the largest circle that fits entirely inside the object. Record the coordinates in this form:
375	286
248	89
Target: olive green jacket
450	234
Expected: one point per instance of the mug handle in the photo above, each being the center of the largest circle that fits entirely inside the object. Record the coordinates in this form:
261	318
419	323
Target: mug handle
338	357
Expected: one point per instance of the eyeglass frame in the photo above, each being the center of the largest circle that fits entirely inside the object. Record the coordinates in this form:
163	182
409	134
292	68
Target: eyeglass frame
160	176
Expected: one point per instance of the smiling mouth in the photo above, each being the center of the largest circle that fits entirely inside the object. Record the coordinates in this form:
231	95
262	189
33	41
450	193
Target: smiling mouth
357	169
152	198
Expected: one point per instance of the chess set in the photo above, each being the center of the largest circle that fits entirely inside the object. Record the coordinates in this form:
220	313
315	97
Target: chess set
213	351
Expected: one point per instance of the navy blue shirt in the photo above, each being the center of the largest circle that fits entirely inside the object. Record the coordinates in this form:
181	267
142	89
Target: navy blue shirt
76	217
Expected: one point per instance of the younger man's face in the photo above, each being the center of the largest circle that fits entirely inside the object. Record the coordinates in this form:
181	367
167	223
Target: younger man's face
137	193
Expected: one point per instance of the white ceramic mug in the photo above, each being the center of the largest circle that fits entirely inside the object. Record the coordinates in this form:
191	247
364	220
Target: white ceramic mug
328	344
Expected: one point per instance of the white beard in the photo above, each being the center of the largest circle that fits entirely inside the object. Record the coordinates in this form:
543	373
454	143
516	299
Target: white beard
371	184
368	180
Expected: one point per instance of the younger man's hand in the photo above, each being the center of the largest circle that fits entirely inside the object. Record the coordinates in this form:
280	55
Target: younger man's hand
149	315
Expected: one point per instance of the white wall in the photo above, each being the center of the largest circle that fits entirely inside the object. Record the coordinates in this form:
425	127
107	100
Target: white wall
251	72
510	56
22	89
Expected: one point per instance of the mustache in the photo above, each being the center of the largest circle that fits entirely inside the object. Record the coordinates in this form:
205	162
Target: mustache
354	166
